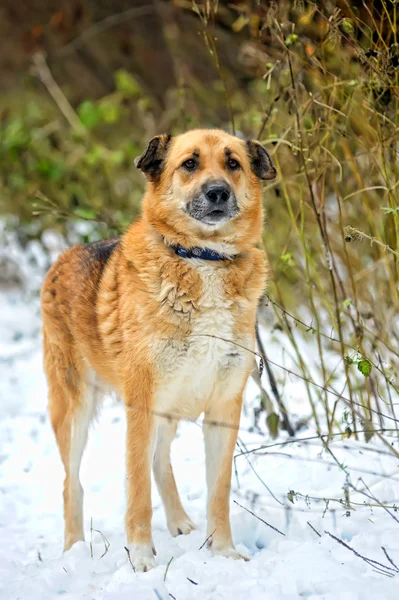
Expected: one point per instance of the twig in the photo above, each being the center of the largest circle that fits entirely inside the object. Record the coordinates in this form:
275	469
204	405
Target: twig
273	384
107	23
356	234
306	439
42	71
167	568
315	530
130	560
191	581
343	502
104	539
345	400
333	339
259	519
390	559
373	563
371	495
261	480
91	537
209	536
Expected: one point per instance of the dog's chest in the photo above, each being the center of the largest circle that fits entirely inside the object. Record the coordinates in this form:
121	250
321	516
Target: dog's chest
193	367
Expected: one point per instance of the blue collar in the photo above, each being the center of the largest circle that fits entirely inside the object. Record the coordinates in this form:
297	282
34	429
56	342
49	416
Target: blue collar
202	253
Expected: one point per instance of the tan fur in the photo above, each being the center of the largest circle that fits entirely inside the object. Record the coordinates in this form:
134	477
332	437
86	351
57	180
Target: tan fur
139	318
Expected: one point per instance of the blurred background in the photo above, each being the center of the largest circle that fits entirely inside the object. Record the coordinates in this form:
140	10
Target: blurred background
85	83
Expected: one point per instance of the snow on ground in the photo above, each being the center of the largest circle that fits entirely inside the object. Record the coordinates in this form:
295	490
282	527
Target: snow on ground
299	564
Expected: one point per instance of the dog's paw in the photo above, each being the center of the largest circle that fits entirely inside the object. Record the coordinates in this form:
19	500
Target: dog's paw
229	552
141	557
181	526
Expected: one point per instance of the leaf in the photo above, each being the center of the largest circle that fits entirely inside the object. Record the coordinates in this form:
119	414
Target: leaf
272	422
291	39
49	169
287	258
94	155
240	23
89	114
16	181
85	213
110	110
126	83
364	366
347	25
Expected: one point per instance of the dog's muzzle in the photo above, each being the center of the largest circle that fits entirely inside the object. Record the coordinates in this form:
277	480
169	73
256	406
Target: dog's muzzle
215	204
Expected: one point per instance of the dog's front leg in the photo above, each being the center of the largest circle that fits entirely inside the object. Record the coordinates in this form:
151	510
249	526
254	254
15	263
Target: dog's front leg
139	445
220	433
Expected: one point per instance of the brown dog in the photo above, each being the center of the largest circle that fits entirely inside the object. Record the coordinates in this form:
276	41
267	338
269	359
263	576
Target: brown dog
162	315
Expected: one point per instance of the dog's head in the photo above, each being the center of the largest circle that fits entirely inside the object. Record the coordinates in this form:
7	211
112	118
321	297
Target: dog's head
204	185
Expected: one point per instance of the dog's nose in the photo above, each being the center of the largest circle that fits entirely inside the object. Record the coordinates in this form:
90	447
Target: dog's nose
217	193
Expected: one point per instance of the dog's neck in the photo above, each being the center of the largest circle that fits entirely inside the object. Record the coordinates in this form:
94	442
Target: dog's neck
200	253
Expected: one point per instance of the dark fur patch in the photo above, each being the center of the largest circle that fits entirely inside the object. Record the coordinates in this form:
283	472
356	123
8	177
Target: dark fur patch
102	251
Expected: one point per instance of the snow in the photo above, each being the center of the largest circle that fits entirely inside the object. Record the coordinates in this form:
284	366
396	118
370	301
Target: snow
298	564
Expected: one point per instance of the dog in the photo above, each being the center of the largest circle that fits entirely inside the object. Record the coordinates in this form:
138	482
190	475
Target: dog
164	315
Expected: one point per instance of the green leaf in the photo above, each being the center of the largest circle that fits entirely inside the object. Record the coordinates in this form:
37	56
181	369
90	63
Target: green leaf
364	366
117	157
94	155
85	213
110	110
126	83
272	422
89	114
15	136
16	181
347	25
291	39
389	211
287	258
49	169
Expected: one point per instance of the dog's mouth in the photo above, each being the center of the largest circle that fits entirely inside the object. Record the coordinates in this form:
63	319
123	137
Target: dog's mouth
217	214
209	214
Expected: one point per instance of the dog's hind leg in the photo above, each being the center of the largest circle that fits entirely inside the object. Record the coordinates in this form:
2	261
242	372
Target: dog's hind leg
178	520
72	404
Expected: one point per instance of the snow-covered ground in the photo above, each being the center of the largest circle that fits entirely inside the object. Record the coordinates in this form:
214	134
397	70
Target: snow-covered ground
299	561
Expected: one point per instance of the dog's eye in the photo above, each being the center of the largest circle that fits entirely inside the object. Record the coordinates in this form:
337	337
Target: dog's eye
189	164
233	164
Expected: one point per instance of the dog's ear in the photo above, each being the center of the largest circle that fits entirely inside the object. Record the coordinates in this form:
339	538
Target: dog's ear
261	163
152	159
